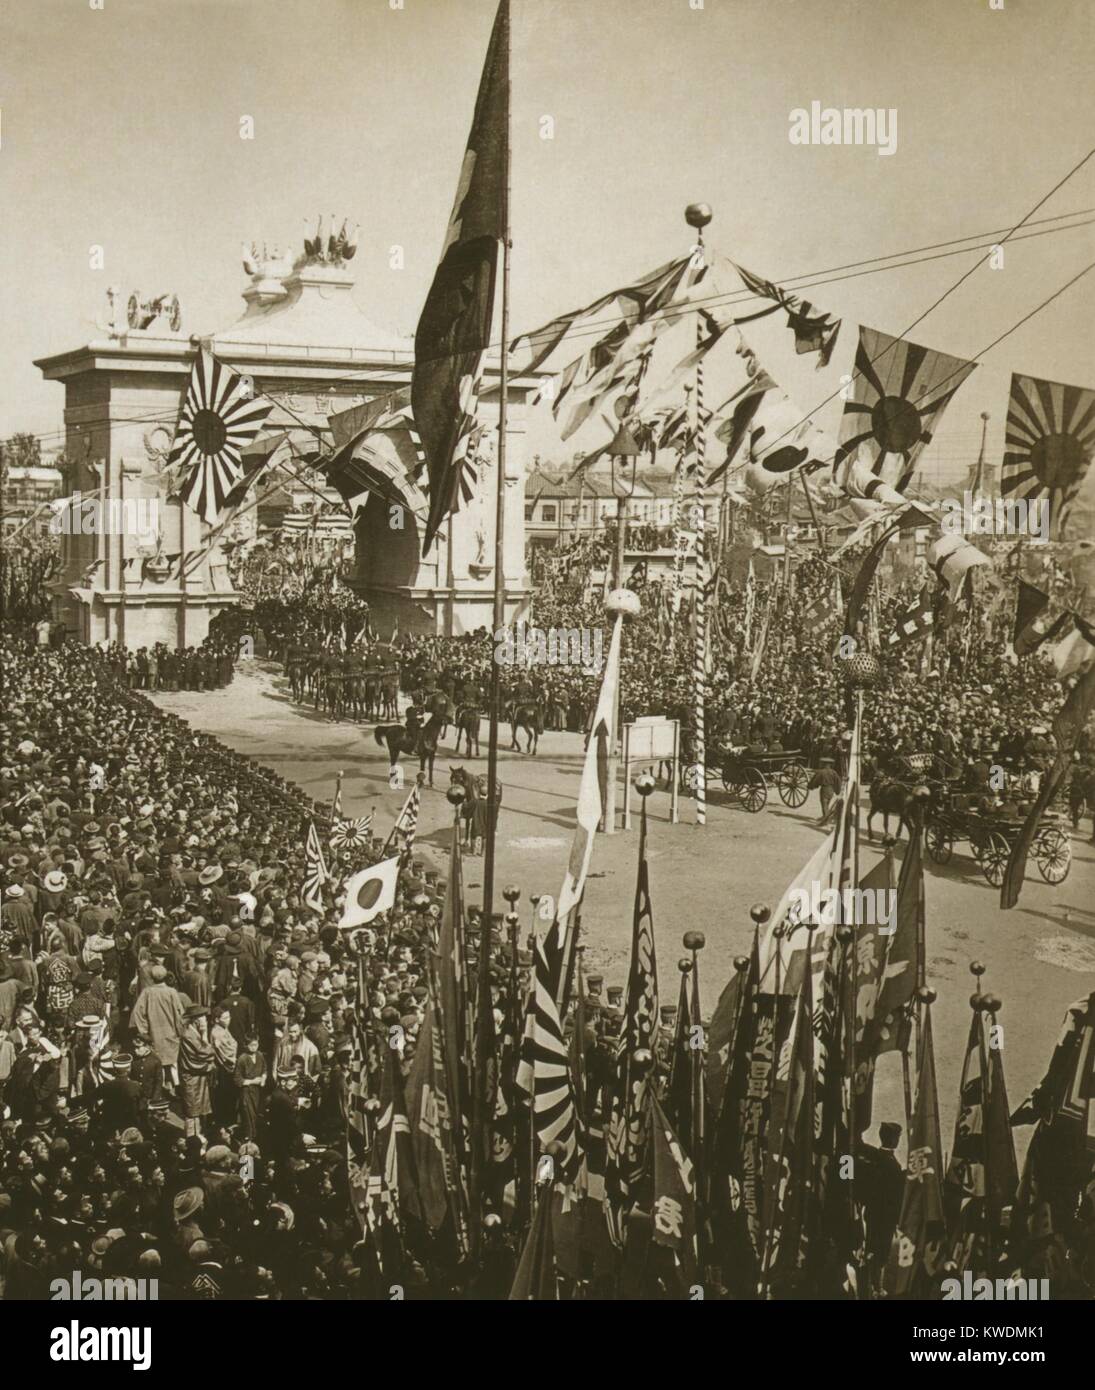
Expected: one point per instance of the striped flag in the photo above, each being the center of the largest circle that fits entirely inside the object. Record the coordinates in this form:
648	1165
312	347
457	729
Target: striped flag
544	1071
401	837
315	870
220	417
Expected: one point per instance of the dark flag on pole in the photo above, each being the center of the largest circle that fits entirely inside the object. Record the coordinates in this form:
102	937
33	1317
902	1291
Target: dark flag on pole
918	1237
455	327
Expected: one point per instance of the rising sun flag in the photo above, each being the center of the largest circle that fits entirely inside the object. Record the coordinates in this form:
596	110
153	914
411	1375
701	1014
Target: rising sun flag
220	417
1050	442
899	392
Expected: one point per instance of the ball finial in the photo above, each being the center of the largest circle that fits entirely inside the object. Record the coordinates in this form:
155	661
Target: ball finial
642	1059
694	941
926	995
511	893
976	968
456	794
760	912
623	601
741	964
644	784
684	965
698	215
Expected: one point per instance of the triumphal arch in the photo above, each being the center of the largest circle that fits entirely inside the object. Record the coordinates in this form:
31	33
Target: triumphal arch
309	348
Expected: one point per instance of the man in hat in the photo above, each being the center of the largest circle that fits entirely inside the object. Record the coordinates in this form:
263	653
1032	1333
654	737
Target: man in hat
147	1072
158	1017
117	1104
17	914
880	1185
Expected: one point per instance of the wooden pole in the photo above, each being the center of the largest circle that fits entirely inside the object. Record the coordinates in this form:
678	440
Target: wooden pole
481	1136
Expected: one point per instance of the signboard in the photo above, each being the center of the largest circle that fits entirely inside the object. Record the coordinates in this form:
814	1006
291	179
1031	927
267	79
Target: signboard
652	736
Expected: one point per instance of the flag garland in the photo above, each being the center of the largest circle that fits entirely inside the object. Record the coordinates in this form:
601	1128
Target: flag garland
220	417
814	330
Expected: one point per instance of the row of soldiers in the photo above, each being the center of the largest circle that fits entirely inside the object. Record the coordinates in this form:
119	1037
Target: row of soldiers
207	667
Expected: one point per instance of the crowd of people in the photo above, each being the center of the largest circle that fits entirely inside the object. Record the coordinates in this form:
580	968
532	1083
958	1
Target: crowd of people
187	1039
174	1018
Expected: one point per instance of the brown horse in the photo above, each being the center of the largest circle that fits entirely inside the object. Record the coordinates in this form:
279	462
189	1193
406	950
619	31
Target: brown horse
467	724
527	717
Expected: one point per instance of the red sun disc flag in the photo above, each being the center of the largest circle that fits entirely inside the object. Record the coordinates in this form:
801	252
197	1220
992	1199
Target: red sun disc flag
1049	446
899	393
220	417
369	893
455	328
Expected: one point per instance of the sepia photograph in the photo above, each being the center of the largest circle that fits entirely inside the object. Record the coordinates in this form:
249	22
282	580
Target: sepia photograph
547	680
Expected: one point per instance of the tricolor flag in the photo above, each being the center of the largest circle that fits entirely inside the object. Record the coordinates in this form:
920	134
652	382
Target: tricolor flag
315	871
369	893
220	417
1050	443
454	330
899	393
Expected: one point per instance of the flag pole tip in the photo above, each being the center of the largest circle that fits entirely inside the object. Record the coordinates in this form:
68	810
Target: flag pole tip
698	214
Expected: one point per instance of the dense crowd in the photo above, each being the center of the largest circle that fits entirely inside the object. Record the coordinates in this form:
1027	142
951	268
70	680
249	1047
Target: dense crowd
174	1019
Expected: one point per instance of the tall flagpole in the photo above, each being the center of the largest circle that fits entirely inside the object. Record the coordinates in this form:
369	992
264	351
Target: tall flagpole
698	215
481	1139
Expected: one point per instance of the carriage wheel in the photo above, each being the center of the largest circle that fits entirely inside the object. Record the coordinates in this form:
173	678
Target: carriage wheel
730	780
995	852
940	843
793	784
1053	853
753	793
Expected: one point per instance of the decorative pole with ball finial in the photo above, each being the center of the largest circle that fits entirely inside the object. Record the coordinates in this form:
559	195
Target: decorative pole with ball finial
698	215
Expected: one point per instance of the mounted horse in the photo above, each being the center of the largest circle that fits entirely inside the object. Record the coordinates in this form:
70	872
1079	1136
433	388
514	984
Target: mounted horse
528	717
467	724
398	739
473	812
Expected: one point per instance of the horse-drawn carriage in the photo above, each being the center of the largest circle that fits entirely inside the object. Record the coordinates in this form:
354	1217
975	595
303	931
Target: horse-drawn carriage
746	776
990	831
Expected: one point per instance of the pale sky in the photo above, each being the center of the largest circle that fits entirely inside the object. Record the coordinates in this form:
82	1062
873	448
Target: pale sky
120	127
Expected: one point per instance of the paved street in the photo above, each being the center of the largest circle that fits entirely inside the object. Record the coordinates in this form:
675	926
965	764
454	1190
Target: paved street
1040	956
